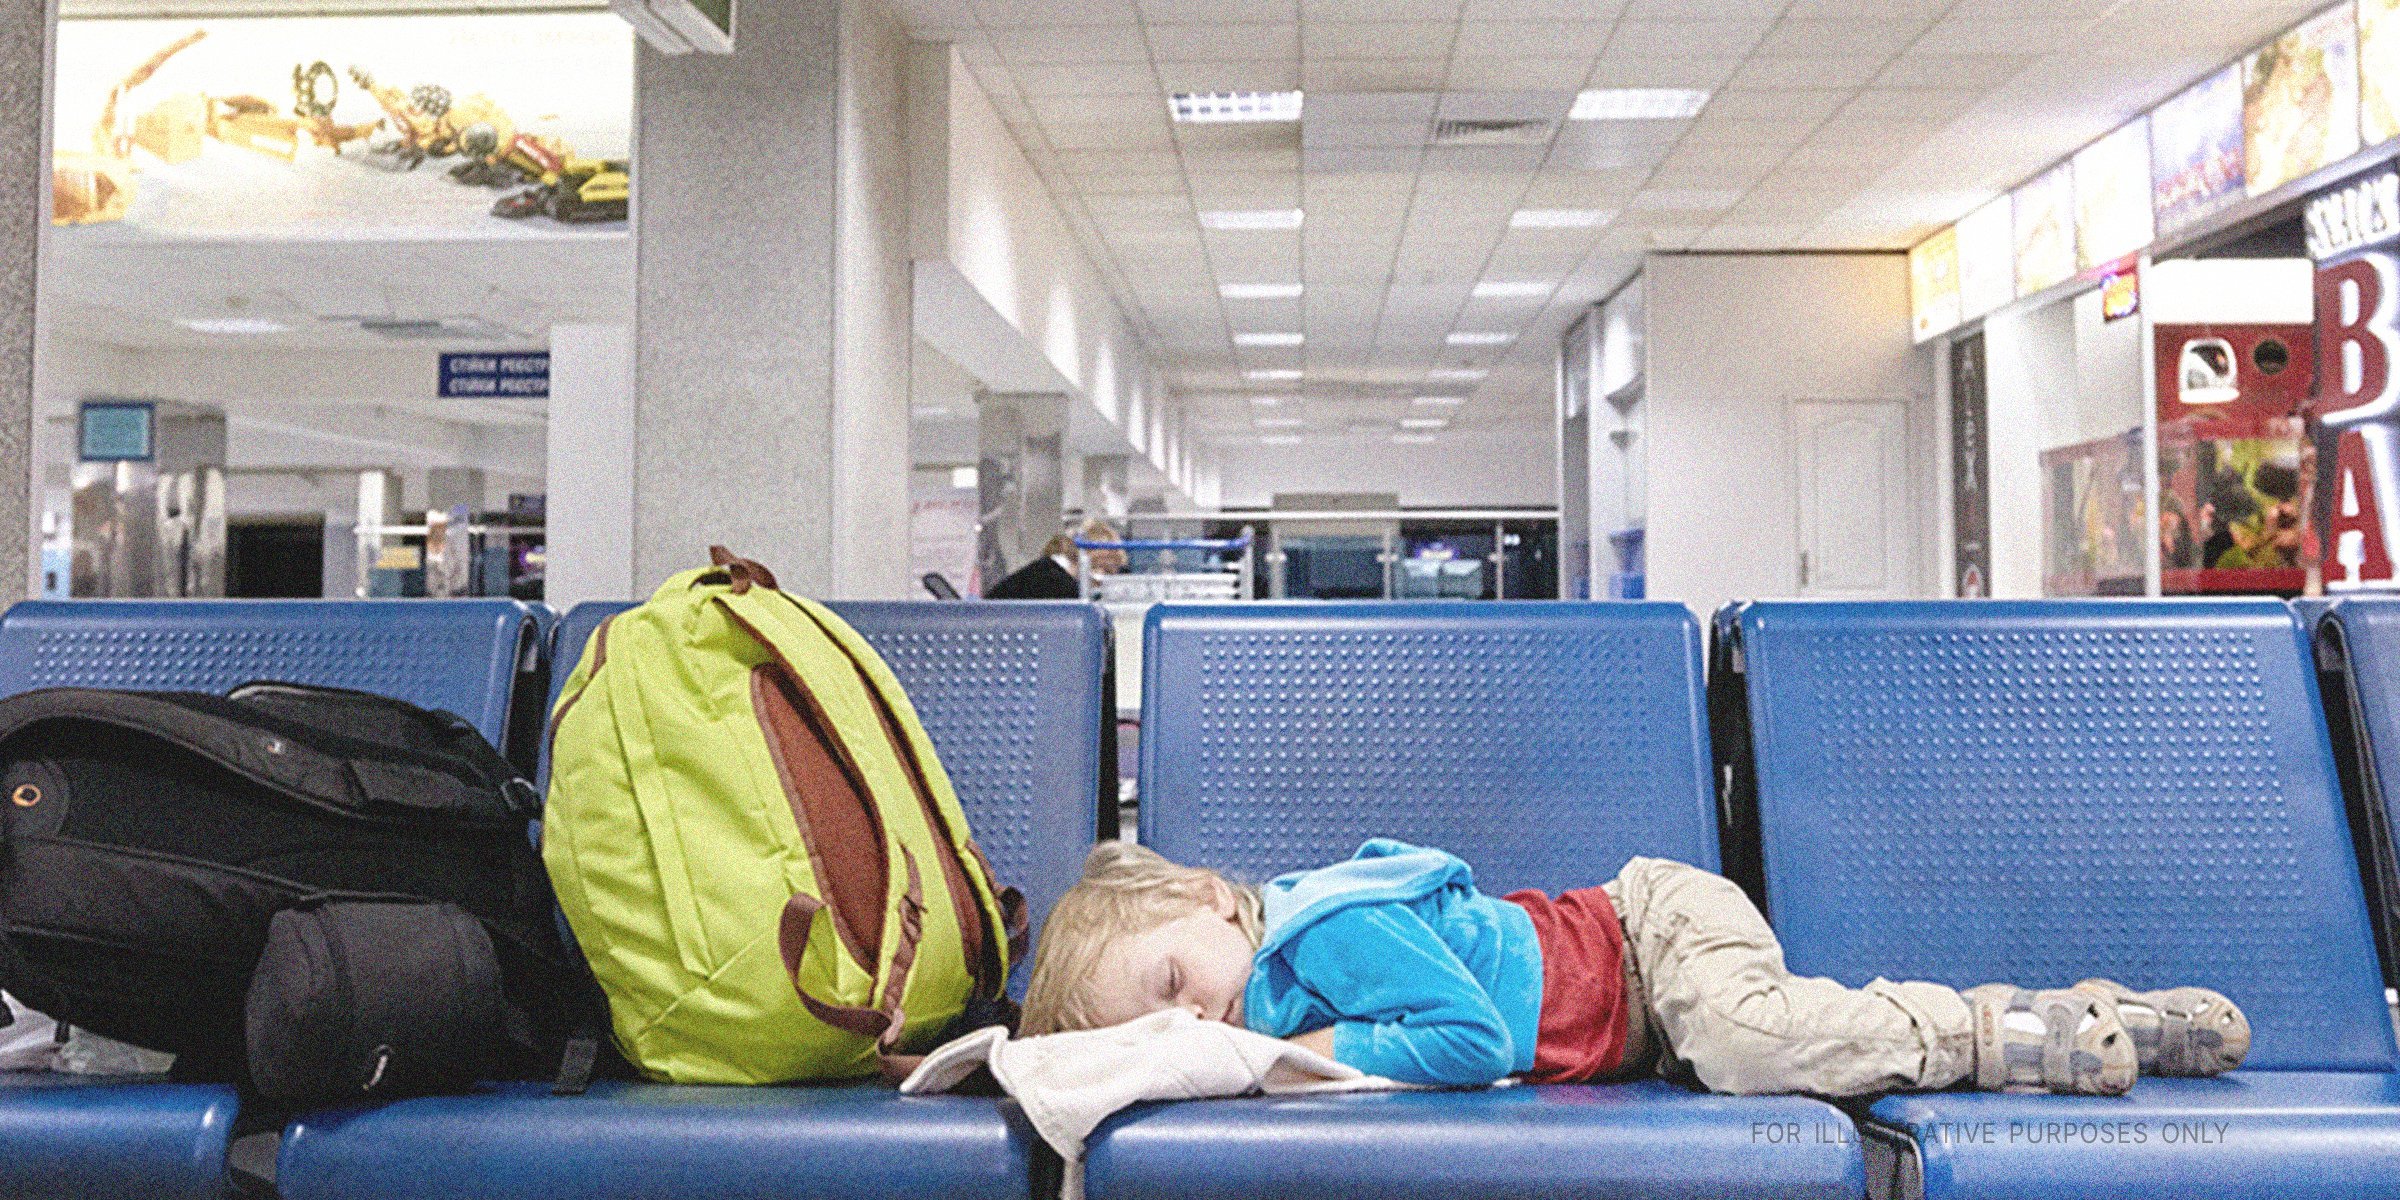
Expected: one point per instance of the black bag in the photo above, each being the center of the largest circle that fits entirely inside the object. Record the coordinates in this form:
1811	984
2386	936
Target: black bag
319	894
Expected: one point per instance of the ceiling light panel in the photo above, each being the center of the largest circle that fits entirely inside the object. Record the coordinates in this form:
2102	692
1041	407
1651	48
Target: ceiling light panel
1259	291
235	325
1220	108
1512	289
1268	339
1250	220
1266	401
1272	375
1559	218
1424	422
1638	104
1456	374
1279	422
1477	337
1438	401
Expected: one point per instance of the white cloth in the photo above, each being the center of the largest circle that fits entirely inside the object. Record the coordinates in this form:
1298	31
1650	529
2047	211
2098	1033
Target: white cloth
1068	1083
30	1043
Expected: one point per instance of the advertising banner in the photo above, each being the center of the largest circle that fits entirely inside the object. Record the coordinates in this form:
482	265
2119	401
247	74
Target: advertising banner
1987	260
1970	472
338	128
2354	415
2300	101
2234	468
2112	196
1933	284
2379	70
2043	212
2196	151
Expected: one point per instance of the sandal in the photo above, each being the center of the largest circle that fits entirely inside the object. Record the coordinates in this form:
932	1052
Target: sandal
2178	1031
2060	1040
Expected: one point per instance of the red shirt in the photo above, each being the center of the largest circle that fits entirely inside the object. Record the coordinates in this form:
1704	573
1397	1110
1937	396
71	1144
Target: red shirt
1582	1032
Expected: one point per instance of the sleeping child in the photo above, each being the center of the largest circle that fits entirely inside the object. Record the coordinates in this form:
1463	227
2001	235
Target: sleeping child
1393	963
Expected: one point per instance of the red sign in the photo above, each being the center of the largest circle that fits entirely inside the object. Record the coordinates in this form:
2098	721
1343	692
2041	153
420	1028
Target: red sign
2357	419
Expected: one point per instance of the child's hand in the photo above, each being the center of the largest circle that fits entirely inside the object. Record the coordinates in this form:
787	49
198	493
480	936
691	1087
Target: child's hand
1318	1040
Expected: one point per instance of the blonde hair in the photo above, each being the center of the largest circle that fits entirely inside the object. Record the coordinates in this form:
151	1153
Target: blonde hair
1063	544
1125	890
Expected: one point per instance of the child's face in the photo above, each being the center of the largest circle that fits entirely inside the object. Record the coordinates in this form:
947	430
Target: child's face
1199	962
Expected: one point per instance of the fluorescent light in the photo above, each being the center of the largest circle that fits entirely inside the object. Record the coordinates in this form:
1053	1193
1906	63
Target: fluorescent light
1560	218
1512	289
1217	108
1424	422
1280	439
1272	375
1266	401
1456	374
963	478
245	325
1259	291
927	414
1268	339
1279	422
1414	439
1638	104
1471	337
1250	220
1441	401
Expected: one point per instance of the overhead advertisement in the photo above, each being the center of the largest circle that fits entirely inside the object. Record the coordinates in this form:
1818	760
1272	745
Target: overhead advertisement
2112	196
2379	70
1933	284
2300	101
2196	151
2043	212
1987	260
2356	446
343	127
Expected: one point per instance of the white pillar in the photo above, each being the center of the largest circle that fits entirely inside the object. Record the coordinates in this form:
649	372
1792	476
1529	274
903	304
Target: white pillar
589	513
28	31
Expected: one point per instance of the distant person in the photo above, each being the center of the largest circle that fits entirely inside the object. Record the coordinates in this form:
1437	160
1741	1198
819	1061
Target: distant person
1052	576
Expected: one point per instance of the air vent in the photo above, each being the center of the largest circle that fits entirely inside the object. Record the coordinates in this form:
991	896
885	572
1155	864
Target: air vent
1490	133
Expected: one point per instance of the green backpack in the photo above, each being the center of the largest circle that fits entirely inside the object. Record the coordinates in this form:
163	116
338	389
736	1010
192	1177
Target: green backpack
757	847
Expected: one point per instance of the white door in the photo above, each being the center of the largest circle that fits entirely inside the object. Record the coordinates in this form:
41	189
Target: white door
1857	520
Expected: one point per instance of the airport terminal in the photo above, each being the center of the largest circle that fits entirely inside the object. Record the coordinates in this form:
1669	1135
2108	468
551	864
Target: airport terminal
1221	599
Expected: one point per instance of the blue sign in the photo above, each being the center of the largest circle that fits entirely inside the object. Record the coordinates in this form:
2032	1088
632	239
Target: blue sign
115	431
496	376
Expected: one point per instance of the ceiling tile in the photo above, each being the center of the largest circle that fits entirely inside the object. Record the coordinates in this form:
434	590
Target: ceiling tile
1224	75
1915	70
1551	38
1810	71
1224	43
1003	14
1636	69
1377	39
1518	74
1169	12
1686	39
1373	74
1882	37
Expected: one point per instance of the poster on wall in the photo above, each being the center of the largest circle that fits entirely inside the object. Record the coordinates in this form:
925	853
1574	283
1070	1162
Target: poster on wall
1933	284
2234	469
2112	196
2379	70
1970	473
2196	151
1987	260
2095	521
343	127
2042	209
2354	433
2300	101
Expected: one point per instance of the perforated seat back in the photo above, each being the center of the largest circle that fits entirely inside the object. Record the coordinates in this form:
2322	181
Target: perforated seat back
461	656
1011	695
1545	743
2358	666
2039	791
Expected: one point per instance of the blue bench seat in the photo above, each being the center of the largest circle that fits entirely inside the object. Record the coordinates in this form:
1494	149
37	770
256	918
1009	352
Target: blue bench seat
2034	792
68	1137
1544	743
1012	696
627	1140
1636	1141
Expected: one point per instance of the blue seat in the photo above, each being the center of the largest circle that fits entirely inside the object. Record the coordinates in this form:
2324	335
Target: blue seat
62	1138
2035	792
1545	743
2358	662
1011	695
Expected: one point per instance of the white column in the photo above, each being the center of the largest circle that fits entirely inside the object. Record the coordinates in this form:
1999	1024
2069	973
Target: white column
27	33
589	513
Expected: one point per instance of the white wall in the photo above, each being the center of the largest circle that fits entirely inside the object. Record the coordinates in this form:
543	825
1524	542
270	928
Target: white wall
589	515
1509	466
1732	340
2057	376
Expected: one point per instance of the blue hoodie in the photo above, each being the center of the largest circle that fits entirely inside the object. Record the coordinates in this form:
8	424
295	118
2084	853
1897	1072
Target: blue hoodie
1423	978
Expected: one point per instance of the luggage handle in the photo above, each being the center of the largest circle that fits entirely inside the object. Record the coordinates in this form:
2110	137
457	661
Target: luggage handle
883	1021
742	572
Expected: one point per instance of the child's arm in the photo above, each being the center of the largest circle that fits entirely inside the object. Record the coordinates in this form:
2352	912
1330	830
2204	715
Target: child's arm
1406	1008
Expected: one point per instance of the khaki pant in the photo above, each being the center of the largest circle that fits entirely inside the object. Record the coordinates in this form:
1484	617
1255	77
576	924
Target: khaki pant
1712	982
